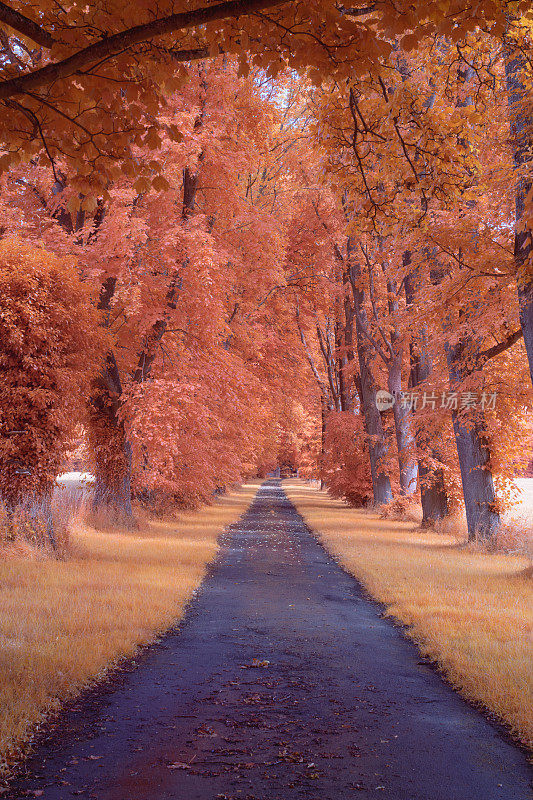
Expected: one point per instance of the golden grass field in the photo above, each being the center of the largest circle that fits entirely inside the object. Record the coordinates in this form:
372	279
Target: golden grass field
470	611
64	624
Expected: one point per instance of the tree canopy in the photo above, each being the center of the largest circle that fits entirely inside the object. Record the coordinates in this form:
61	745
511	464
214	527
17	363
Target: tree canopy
301	234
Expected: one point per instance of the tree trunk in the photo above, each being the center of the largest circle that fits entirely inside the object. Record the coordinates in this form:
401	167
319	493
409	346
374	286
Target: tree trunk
404	434
344	351
520	123
112	451
348	341
433	494
473	451
478	488
377	445
405	441
112	494
323	410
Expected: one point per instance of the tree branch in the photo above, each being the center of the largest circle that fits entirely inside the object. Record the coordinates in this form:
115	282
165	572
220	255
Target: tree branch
327	355
501	347
140	33
321	385
357	12
25	26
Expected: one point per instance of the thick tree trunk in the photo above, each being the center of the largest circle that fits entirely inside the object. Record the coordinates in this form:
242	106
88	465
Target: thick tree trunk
405	441
516	69
473	451
377	444
470	433
34	509
111	500
112	452
112	493
433	495
478	488
344	351
404	435
432	492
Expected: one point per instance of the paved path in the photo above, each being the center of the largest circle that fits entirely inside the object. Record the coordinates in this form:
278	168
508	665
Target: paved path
283	682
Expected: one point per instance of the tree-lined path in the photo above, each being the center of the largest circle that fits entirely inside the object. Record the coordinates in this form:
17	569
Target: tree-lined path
283	682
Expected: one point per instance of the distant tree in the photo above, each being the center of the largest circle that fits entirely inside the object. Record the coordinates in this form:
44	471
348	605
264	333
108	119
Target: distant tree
346	468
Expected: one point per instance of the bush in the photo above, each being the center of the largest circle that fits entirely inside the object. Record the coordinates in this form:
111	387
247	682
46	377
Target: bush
49	351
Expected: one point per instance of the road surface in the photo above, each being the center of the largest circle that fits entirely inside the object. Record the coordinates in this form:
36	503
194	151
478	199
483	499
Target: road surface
282	682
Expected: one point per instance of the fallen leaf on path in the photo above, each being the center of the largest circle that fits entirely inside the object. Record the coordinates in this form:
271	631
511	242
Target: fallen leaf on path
257	662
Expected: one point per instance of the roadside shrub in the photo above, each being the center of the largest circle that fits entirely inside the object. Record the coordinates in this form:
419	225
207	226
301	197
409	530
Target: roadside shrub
49	351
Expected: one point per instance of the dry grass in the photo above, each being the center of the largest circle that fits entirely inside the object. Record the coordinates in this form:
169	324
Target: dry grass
470	611
63	624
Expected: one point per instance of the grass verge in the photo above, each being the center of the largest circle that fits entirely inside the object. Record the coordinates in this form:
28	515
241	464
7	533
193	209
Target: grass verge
469	611
64	624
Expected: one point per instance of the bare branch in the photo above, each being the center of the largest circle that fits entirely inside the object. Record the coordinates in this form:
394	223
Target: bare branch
310	360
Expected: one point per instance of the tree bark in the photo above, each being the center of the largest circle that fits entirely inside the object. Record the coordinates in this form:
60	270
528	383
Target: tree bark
433	495
154	335
377	445
478	488
323	413
473	451
112	451
111	45
111	498
520	123
402	426
344	352
470	431
405	441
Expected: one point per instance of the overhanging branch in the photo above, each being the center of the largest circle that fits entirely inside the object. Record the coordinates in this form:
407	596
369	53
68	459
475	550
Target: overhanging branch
130	37
25	26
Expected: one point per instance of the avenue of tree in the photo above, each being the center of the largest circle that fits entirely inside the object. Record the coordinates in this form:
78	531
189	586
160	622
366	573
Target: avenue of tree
225	230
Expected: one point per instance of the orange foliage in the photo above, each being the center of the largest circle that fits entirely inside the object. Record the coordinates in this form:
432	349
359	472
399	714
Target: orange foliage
346	471
50	350
83	83
272	247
